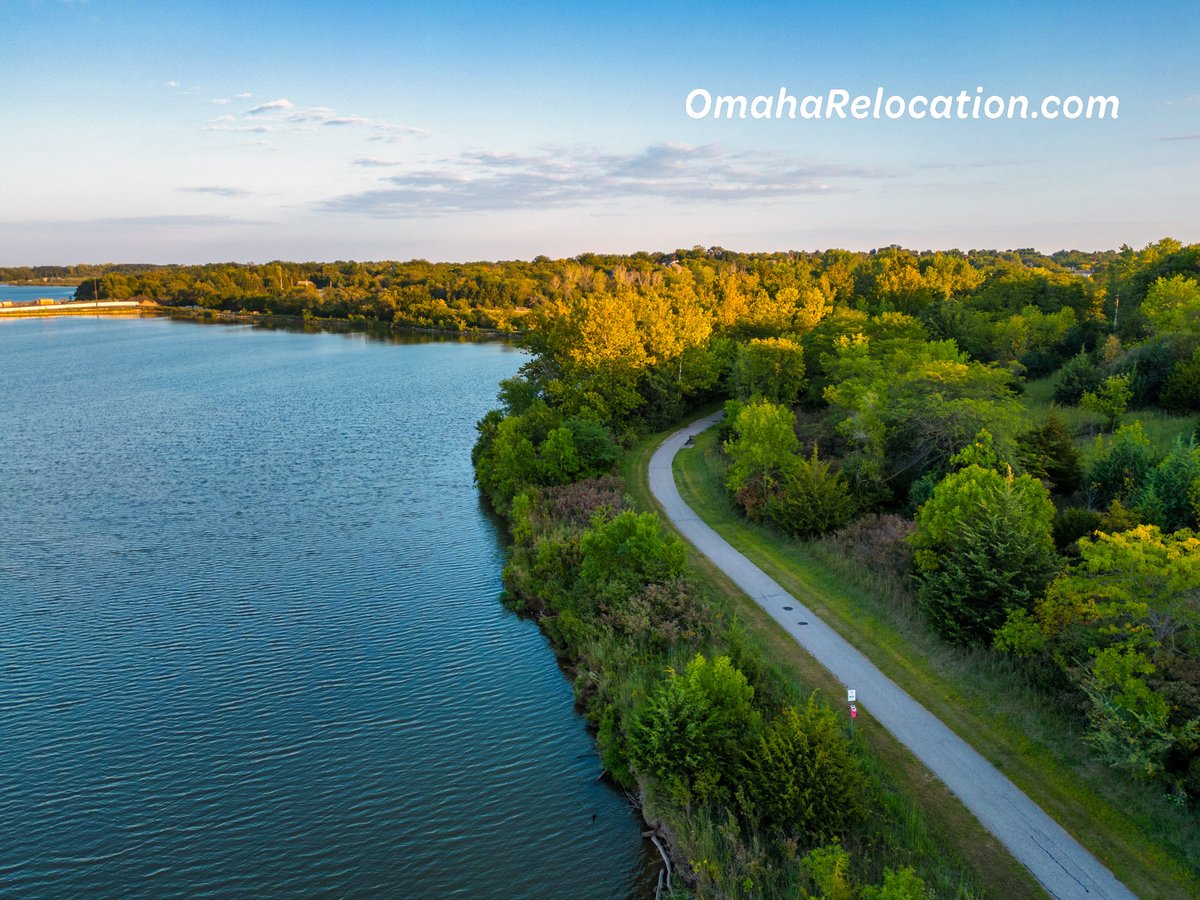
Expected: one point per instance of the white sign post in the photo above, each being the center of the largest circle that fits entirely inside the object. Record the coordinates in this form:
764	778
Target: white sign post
851	696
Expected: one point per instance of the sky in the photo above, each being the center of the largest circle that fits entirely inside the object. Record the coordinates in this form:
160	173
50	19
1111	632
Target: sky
248	131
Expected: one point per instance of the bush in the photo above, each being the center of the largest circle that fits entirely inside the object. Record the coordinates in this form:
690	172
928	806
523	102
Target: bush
1077	376
877	542
576	504
813	499
662	614
630	550
983	548
802	779
1073	523
1121	466
689	737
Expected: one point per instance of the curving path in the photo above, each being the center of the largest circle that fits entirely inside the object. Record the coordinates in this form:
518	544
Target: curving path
1057	861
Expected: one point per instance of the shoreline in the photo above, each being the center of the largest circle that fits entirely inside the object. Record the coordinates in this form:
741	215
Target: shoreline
201	314
333	323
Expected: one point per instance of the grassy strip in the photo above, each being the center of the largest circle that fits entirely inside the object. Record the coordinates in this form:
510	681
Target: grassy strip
1160	426
1149	844
952	851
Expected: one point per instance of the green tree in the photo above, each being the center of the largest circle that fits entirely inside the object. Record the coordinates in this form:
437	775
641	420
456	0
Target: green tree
1120	466
983	548
690	736
1109	401
770	368
1173	305
632	550
907	406
1166	496
802	779
1078	376
1048	452
762	450
1116	623
812	499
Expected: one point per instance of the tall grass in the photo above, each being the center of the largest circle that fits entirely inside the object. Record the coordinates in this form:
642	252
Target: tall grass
1161	427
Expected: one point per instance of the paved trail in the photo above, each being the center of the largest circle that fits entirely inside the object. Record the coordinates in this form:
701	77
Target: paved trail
1057	861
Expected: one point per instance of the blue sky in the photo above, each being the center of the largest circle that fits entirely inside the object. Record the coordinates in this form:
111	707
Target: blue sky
189	132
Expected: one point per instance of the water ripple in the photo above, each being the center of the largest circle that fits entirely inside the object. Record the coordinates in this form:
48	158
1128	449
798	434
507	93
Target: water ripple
250	640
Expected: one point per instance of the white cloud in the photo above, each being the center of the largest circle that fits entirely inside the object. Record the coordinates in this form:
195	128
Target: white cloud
217	190
172	84
282	115
373	162
220	101
559	177
271	106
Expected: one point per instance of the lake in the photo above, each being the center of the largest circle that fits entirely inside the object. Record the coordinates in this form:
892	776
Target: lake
25	293
250	640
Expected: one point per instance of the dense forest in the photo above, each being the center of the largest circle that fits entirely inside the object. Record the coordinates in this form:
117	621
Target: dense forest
1011	439
498	296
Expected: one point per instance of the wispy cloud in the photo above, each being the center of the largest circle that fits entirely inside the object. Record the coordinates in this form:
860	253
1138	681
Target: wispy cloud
1181	137
271	106
166	221
244	95
556	177
172	83
282	115
979	164
217	190
372	162
220	101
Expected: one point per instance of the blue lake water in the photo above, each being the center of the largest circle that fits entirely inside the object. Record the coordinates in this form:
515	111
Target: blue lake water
250	641
23	293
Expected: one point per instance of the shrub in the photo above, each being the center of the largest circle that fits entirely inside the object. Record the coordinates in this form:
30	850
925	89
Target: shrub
1073	523
813	499
878	542
983	548
1121	466
630	550
802	779
662	614
577	504
689	737
1077	376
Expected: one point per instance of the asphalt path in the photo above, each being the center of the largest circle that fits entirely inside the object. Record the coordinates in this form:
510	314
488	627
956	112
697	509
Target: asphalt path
1063	867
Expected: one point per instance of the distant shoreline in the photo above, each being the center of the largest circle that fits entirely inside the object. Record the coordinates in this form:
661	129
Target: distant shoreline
104	307
133	309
